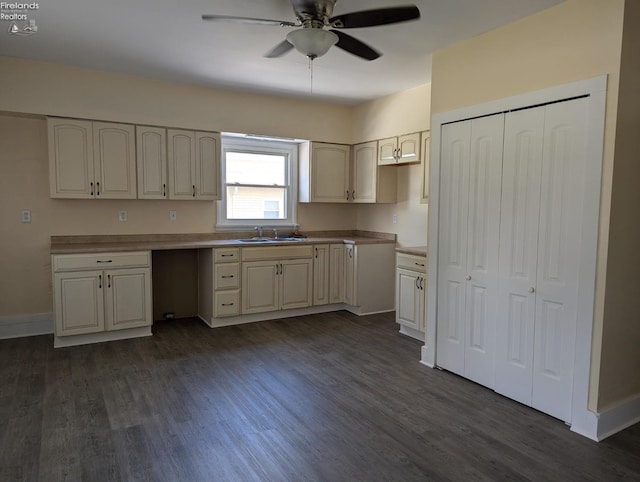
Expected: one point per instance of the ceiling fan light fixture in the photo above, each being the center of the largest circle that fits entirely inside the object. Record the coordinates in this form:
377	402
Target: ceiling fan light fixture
312	42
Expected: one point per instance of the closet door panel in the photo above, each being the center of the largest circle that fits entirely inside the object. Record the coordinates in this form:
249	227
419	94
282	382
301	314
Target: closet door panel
452	257
563	172
483	225
523	146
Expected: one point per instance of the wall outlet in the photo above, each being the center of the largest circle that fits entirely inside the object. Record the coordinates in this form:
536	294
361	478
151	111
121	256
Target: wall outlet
26	215
122	215
394	218
172	215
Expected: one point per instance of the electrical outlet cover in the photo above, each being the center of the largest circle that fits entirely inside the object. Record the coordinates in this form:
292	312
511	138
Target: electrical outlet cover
122	215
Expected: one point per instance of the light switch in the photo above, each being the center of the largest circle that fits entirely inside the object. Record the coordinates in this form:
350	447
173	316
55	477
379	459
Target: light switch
122	215
394	219
26	215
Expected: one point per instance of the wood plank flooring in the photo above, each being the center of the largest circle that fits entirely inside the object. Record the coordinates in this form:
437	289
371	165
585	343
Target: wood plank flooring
331	397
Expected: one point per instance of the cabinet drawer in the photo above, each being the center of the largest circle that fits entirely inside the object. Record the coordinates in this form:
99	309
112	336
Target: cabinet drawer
277	252
76	262
226	255
409	261
226	303
227	276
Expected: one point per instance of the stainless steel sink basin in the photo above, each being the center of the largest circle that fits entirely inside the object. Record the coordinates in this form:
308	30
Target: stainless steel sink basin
267	240
255	240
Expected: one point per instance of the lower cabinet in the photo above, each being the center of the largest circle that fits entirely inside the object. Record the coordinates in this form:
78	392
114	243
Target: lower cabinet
411	293
90	300
276	285
369	277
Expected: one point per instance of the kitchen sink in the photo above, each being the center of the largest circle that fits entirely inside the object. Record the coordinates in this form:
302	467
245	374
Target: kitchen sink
267	240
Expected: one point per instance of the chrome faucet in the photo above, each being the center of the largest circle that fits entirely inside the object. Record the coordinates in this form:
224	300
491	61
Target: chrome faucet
275	233
259	231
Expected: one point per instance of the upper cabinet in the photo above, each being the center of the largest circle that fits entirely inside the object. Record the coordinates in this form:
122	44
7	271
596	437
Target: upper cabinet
91	159
194	164
425	151
371	183
399	150
324	172
151	150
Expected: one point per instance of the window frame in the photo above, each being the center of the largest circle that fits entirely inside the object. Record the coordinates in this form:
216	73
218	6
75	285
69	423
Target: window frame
267	145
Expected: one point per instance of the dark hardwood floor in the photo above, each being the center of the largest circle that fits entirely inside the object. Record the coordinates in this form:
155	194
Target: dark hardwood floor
324	397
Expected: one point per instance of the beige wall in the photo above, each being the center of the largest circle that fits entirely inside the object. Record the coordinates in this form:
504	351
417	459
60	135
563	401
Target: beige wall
575	40
401	113
48	89
620	362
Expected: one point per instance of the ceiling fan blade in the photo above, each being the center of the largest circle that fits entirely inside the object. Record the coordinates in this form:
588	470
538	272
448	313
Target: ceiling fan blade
355	46
378	16
249	20
280	49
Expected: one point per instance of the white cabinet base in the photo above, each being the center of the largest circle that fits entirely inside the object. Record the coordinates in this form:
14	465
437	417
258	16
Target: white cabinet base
418	335
74	340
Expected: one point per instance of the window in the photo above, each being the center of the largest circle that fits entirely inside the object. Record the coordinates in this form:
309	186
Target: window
259	182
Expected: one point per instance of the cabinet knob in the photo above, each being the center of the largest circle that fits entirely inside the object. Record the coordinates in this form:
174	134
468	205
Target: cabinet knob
532	290
468	278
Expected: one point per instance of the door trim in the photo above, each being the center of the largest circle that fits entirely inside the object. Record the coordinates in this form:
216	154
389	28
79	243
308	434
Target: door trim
583	421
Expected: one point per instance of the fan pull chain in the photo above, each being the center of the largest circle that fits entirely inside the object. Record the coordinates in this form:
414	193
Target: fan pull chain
311	75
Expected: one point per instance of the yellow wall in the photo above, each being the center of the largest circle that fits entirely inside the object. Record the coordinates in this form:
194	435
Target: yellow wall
401	113
575	40
620	362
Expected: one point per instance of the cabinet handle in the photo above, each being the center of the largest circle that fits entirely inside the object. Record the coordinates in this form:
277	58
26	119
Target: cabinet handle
99	281
468	278
108	281
347	194
97	188
227	276
350	251
532	290
277	269
194	190
417	283
91	185
353	195
316	253
421	285
104	261
419	264
227	255
164	190
227	304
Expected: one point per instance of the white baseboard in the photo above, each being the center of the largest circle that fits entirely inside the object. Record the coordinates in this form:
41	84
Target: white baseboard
618	417
26	325
412	332
75	340
424	357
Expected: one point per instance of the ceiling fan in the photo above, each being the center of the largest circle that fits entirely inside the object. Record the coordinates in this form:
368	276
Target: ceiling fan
313	16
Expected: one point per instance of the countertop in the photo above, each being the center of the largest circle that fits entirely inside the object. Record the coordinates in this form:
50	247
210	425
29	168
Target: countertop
138	242
415	250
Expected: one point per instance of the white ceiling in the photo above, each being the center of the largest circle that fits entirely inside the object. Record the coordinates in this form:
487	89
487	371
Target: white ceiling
166	39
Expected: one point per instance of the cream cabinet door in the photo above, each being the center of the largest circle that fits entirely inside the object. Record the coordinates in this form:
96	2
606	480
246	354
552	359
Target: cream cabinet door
410	296
260	290
207	165
296	283
181	155
330	165
321	274
336	273
79	302
151	158
114	159
350	288
425	155
128	298
365	170
387	151
408	148
70	158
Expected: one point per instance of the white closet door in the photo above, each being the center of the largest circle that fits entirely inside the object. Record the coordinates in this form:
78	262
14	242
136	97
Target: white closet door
485	178
452	252
522	164
563	177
